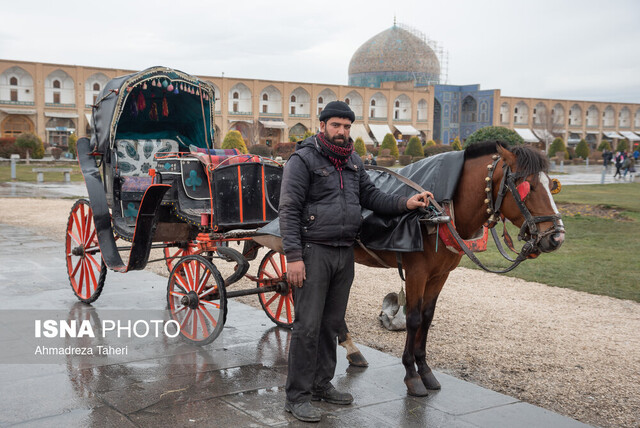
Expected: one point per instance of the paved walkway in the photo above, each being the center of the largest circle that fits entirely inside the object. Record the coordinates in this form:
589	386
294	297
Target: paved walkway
235	381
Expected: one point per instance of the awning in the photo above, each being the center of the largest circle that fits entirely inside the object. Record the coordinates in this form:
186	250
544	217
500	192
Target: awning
241	120
18	111
612	134
379	131
407	130
278	124
593	132
358	130
527	135
630	136
544	134
61	114
88	117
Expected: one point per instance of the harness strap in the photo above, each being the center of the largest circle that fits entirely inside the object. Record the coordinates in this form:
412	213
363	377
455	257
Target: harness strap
399	262
373	255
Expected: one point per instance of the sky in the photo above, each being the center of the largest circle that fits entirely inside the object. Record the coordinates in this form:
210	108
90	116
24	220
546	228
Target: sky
561	49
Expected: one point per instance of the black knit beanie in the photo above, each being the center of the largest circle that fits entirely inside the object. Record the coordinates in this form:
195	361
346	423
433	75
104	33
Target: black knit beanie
337	109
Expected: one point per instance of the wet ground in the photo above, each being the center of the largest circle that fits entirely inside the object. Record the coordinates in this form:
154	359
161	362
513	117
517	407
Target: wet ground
160	381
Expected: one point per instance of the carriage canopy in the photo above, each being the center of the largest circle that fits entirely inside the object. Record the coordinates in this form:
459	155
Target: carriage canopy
155	103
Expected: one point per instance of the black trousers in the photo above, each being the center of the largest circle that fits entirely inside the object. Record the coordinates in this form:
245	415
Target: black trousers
320	305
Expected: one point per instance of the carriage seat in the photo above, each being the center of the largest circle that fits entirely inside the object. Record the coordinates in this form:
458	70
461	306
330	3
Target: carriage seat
135	157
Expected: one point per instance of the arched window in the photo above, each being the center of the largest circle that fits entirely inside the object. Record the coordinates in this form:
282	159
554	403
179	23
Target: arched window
235	95
397	103
15	125
373	103
13	81
293	98
320	100
96	86
347	101
265	97
56	84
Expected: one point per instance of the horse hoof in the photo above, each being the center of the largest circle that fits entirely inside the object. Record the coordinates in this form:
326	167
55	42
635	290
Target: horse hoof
415	387
430	381
357	359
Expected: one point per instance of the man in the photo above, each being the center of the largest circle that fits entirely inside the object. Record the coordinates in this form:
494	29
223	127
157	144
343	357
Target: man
324	187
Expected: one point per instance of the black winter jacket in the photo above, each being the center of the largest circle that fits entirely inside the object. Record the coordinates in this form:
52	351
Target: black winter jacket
313	208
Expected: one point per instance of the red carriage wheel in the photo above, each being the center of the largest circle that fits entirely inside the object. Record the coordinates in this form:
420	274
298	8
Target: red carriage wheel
171	254
278	305
85	266
197	300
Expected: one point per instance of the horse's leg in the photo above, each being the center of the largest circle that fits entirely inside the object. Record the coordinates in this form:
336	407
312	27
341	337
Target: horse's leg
354	355
414	383
432	292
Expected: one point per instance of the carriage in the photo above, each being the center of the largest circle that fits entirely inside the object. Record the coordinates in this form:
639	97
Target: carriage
155	182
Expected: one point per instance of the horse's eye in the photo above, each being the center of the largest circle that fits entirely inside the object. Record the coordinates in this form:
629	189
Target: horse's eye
555	186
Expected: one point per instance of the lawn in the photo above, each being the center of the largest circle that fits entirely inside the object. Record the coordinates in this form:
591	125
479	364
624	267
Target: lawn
25	173
599	255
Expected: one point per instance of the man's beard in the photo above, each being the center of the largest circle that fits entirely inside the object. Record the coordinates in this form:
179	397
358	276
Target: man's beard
338	140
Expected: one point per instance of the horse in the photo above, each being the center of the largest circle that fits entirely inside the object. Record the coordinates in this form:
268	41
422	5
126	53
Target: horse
490	171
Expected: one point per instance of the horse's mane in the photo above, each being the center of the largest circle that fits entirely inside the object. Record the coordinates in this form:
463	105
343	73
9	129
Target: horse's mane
531	161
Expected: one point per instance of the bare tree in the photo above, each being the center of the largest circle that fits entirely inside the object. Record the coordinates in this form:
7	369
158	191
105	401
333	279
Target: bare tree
546	125
254	132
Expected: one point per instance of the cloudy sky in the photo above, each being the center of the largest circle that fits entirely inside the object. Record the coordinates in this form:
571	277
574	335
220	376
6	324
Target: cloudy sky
565	49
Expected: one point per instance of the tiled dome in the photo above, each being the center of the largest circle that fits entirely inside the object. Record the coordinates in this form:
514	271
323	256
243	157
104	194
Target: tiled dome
393	55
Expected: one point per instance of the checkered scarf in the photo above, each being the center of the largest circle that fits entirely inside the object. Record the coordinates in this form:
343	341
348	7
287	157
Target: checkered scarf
337	155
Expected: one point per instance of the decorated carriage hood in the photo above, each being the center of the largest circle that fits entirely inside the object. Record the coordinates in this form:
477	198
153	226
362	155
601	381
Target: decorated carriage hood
156	103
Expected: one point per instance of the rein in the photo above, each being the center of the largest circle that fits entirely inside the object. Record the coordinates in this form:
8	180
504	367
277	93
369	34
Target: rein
528	232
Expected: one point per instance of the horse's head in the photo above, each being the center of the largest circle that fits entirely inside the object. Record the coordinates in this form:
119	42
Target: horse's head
530	206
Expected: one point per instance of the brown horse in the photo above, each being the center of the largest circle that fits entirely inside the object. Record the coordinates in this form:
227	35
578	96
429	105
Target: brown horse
486	190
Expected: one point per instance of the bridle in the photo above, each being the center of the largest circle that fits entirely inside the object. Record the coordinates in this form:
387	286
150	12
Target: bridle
529	232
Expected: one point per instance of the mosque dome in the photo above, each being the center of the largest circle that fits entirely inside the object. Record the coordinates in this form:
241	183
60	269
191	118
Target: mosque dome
394	55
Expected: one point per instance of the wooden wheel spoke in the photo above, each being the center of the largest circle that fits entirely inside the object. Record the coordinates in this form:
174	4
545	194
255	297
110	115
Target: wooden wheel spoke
287	302
76	239
181	282
203	322
75	270
268	274
93	261
279	310
175	293
207	292
271	300
78	228
203	281
275	267
210	316
185	320
214	304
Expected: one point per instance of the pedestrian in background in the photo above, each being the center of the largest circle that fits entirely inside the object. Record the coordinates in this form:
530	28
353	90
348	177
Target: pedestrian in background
619	159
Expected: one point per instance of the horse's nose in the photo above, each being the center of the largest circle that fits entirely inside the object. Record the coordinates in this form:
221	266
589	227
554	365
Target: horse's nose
551	242
556	240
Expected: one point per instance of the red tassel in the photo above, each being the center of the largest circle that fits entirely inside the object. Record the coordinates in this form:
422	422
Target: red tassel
141	102
153	112
165	107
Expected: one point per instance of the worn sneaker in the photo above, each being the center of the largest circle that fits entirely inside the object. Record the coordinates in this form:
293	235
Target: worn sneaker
303	411
333	396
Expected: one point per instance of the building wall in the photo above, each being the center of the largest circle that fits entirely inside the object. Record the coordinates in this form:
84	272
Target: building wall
453	121
565	128
36	108
39	112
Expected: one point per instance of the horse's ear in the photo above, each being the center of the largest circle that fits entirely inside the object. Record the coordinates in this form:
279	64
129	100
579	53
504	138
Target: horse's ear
508	157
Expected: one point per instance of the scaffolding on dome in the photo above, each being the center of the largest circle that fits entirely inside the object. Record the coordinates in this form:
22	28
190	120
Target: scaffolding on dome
438	49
